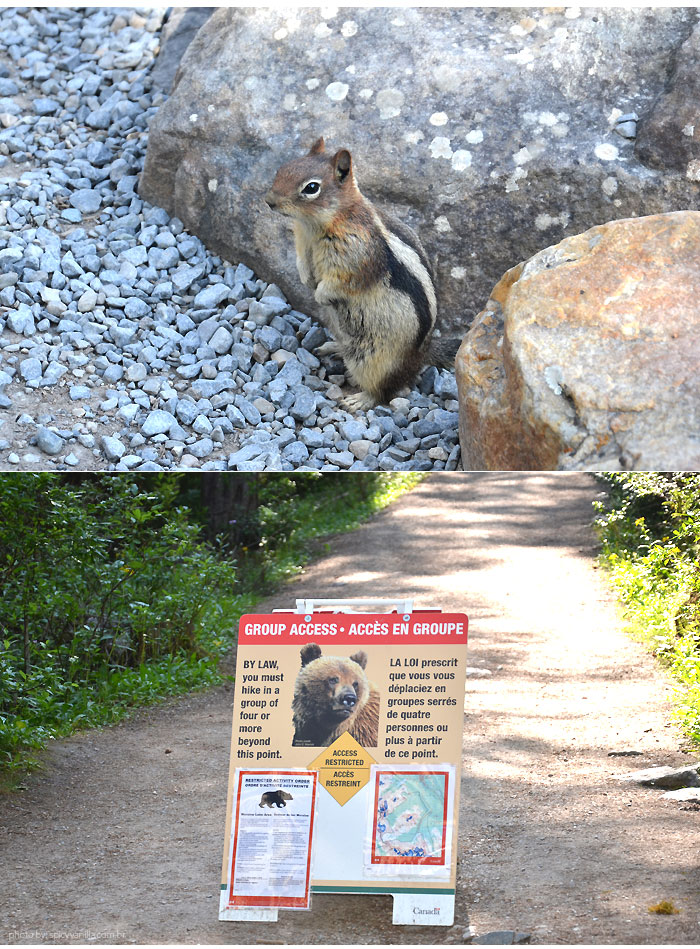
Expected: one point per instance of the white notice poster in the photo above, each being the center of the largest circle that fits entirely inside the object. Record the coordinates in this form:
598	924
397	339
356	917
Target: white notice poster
271	837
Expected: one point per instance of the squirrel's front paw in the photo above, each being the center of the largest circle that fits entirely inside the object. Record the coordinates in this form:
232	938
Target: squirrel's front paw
329	348
359	402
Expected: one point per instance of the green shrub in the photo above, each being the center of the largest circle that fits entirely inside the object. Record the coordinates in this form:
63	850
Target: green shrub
99	579
650	529
111	598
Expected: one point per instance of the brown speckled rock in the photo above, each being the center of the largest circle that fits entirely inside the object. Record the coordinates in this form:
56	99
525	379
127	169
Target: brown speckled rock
587	356
490	131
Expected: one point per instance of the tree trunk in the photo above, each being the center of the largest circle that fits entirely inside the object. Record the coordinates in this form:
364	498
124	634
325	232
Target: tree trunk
230	501
27	660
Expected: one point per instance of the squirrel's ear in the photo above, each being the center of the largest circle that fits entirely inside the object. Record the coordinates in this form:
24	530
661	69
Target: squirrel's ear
318	147
342	164
310	652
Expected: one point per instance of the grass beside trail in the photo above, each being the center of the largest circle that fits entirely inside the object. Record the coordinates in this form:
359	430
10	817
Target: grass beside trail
112	601
650	531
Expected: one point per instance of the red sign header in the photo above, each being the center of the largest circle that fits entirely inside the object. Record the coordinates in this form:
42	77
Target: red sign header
289	629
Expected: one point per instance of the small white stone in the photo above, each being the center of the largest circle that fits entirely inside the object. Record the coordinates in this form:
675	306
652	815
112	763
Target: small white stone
349	28
438	118
458	273
437	453
442	225
210	108
547	118
202	425
572	13
683	794
351	69
414	137
475	136
609	186
366	93
689	130
337	91
194	117
322	31
212	185
312	84
289	103
281	34
522	156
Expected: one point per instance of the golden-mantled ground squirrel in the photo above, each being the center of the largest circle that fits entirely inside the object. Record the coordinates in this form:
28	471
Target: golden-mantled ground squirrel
368	270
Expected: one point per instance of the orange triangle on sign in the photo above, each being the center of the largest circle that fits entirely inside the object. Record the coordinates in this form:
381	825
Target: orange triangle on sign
343	768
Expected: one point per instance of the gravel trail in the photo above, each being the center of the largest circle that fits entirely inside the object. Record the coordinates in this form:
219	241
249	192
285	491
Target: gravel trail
126	345
119	838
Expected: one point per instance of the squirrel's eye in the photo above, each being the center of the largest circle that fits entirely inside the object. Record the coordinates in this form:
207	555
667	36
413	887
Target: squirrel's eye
311	188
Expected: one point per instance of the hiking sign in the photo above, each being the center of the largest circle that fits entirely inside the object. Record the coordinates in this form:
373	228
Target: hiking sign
368	708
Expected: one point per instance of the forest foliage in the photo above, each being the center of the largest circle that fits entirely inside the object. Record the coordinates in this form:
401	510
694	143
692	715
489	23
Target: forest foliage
120	590
650	529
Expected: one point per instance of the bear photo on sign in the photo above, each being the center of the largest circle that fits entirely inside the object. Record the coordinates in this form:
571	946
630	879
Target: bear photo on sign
333	695
271	798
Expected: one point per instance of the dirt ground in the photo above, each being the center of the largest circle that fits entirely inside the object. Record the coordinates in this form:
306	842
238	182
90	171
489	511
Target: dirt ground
119	837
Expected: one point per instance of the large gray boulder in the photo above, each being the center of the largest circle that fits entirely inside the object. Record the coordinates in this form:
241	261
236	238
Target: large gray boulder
669	136
179	29
491	131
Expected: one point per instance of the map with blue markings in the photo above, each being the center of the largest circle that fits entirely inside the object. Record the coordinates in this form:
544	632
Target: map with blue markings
410	818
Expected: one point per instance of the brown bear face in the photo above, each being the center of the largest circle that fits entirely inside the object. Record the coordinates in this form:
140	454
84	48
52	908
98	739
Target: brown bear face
343	687
328	690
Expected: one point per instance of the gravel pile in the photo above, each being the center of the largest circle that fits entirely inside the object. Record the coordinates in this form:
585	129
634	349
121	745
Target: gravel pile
124	343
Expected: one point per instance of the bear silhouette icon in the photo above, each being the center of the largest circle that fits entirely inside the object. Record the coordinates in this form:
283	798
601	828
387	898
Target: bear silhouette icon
271	798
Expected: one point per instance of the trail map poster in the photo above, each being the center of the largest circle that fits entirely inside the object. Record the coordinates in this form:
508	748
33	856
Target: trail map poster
342	694
410	818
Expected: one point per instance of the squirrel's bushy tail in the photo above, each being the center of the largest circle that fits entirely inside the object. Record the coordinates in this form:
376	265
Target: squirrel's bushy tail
442	352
